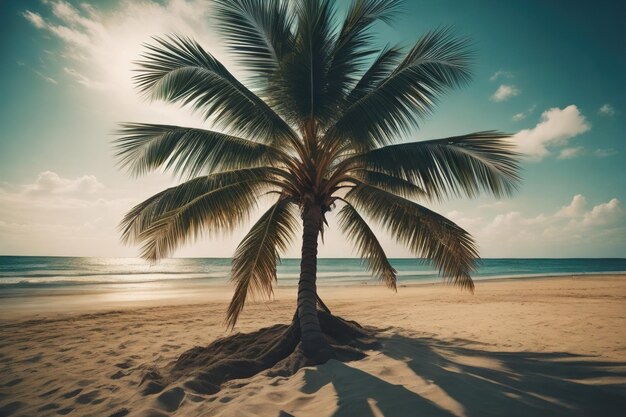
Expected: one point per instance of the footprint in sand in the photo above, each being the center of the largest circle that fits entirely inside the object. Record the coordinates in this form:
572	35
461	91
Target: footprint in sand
120	413
118	375
88	398
85	382
195	398
49	406
47	393
125	365
72	394
11	408
35	358
13	382
170	400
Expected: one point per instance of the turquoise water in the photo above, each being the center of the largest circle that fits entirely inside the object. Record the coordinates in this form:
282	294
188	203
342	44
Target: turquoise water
36	272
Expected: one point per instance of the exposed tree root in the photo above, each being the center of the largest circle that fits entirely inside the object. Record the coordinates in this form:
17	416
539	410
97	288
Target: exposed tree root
274	349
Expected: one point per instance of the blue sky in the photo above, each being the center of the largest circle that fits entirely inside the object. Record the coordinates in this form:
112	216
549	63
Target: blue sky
552	73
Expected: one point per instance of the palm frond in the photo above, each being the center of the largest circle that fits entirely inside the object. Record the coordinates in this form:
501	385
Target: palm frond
217	202
354	44
142	148
303	75
391	184
367	245
258	32
426	233
177	69
256	257
459	165
437	63
381	68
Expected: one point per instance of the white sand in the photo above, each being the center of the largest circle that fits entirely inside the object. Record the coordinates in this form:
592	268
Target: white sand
540	347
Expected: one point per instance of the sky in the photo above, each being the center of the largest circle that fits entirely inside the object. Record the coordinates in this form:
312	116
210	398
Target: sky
551	73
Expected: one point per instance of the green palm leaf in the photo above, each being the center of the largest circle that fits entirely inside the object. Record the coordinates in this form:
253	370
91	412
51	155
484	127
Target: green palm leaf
258	32
177	69
468	164
392	184
217	202
254	263
437	63
188	151
367	245
304	72
381	68
354	44
426	233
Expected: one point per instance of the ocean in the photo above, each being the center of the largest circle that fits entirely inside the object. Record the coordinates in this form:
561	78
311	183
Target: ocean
38	272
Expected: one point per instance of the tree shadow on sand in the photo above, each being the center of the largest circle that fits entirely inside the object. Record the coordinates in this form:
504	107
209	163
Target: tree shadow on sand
451	378
482	383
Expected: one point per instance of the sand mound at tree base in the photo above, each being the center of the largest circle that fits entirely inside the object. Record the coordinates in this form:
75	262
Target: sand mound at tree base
274	349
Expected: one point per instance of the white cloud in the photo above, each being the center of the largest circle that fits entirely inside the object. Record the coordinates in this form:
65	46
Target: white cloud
603	214
519	116
84	80
505	92
493	205
604	153
40	74
460	218
606	110
568	232
56	215
35	19
576	208
46	78
501	74
51	183
100	47
571	153
524	114
66	33
556	127
500	224
79	216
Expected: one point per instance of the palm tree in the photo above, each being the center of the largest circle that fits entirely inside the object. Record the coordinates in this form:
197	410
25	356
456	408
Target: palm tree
316	127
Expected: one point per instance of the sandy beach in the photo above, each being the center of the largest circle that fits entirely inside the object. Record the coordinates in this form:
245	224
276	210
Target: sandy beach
518	347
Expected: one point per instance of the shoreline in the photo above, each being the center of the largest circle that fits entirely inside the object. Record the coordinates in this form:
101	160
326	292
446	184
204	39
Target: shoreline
84	298
222	281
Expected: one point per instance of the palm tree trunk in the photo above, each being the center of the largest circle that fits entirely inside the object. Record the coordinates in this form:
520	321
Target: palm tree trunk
314	344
